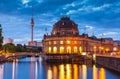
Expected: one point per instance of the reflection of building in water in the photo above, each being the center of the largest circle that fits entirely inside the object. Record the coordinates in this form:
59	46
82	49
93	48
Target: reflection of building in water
65	38
75	68
95	72
15	69
66	71
32	68
98	74
73	71
61	72
102	74
1	71
55	72
36	70
49	73
84	72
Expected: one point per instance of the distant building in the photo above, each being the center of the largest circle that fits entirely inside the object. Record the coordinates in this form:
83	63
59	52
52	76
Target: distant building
35	43
116	46
65	38
8	40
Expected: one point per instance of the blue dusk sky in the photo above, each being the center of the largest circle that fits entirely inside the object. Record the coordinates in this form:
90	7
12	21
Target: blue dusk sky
98	16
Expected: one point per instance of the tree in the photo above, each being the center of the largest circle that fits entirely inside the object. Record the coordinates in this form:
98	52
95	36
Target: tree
9	48
20	48
1	37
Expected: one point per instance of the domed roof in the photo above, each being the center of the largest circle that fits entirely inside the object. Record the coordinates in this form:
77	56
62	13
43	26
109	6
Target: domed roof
65	26
93	36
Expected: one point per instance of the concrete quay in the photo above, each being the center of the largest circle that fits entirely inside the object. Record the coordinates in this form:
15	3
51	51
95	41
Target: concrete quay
110	62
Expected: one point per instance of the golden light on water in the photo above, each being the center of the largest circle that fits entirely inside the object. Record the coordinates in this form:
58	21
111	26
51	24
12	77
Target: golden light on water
49	73
95	72
84	72
55	72
61	72
75	71
68	71
102	74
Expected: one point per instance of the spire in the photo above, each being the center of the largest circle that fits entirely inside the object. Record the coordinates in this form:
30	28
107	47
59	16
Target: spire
32	27
32	19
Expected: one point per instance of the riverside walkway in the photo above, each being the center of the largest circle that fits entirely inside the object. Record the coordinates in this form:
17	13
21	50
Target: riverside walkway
12	56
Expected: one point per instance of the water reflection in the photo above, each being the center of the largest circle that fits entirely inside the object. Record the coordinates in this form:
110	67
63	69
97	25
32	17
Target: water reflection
1	71
14	69
34	68
98	74
84	72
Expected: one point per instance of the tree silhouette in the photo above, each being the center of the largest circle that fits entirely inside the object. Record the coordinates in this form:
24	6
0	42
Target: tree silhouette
1	37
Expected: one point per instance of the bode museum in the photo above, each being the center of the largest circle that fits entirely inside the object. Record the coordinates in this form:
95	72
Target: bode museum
65	39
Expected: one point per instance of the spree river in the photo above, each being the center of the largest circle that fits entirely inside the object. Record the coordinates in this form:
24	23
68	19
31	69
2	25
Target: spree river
34	68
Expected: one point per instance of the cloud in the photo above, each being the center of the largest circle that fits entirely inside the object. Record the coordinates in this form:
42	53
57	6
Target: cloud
101	7
99	16
25	1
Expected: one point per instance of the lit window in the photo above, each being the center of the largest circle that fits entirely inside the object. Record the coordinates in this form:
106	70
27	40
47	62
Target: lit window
49	43
107	49
49	50
61	42
68	49
75	49
80	49
68	42
75	42
54	42
54	49
61	49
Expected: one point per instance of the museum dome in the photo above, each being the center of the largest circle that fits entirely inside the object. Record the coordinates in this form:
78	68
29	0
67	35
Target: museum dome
65	26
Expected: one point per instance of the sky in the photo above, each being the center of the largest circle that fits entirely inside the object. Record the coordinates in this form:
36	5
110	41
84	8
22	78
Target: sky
101	17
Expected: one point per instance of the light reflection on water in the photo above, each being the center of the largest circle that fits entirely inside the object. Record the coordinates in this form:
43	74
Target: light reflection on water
34	68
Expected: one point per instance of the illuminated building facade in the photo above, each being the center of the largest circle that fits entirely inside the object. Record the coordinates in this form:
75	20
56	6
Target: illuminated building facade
65	39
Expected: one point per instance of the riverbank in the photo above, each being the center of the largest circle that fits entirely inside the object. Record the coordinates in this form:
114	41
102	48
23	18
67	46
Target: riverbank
112	63
10	57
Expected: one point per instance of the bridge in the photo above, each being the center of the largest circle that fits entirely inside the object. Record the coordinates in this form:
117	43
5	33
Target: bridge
46	57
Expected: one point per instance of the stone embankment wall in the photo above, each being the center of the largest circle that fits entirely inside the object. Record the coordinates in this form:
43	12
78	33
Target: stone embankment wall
112	63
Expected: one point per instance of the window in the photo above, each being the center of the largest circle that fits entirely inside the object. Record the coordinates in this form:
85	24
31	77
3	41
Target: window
61	50
68	49
49	50
80	49
68	42
75	49
75	42
54	42
49	43
54	49
61	42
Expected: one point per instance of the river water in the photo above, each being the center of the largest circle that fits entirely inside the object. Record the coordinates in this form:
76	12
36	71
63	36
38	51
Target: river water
34	68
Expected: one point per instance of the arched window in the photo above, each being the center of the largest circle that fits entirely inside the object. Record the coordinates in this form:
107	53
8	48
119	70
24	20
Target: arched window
54	49
61	50
75	49
49	50
80	49
68	49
